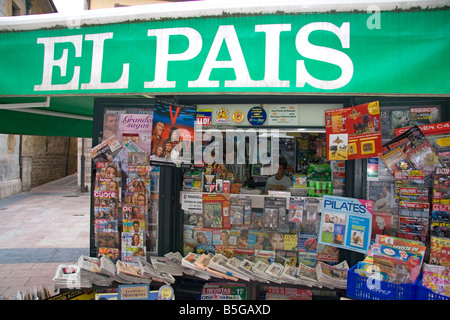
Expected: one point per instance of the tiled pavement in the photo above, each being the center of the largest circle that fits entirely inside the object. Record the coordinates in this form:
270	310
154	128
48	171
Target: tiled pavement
39	230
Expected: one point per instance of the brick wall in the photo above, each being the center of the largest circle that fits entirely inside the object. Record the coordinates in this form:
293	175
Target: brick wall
48	159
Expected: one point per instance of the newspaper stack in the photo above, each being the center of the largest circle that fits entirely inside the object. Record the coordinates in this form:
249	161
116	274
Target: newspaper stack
307	275
128	272
248	268
219	263
332	276
108	267
149	271
203	264
165	265
275	271
189	263
90	273
260	268
67	277
175	257
290	275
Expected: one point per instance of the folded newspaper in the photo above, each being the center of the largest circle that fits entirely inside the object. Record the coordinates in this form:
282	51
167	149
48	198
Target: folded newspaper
332	276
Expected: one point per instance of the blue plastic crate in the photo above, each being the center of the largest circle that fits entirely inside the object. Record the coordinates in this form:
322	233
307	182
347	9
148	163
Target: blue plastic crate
363	288
423	293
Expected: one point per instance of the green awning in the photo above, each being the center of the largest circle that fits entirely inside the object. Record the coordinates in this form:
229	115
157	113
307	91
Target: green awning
194	48
69	116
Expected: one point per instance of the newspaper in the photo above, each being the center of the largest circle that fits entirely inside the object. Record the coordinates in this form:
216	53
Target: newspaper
219	263
128	272
332	276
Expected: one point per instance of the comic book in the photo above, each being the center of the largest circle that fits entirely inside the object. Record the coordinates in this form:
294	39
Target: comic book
392	270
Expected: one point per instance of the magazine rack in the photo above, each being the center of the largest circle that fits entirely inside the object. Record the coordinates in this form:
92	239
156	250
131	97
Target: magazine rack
359	287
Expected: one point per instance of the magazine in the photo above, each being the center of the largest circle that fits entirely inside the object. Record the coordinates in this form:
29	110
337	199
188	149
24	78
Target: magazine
396	265
440	251
105	151
437	279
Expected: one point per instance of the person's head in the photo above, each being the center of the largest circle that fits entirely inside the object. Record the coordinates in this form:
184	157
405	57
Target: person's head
140	199
136	225
159	151
158	128
110	171
136	239
277	241
174	134
111	122
201	237
282	166
112	186
168	145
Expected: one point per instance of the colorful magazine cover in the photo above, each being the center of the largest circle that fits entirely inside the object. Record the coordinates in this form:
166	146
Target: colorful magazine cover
346	223
286	257
388	256
174	132
129	125
440	251
354	133
216	211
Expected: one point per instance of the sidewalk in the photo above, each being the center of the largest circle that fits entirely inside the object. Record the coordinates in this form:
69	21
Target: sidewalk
39	230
